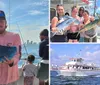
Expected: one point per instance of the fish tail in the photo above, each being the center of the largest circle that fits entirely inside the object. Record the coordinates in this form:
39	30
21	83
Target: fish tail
77	34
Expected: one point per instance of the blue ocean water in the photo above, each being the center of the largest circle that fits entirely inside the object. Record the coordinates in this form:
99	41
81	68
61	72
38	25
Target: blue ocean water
30	49
61	80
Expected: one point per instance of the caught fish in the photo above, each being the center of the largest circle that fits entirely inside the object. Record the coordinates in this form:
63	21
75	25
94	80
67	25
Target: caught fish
64	24
89	26
8	52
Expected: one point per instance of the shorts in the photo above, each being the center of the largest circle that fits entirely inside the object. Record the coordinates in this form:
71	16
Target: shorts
58	38
28	80
73	36
43	73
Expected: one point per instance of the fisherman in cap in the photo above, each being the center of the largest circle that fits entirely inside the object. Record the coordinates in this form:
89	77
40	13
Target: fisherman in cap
9	68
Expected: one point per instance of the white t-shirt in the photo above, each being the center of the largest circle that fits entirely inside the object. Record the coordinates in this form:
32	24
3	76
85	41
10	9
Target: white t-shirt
30	70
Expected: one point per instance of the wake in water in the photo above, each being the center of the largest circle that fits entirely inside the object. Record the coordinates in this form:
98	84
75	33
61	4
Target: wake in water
74	80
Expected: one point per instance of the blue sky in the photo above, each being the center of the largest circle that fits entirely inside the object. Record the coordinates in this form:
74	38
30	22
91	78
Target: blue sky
61	53
91	5
98	6
31	16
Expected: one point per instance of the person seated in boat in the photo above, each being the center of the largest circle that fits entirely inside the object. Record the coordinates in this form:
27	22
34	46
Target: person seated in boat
9	68
73	28
43	73
57	19
30	71
89	35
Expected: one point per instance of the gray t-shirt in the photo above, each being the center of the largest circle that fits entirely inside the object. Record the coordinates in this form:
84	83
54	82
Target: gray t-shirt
30	70
90	32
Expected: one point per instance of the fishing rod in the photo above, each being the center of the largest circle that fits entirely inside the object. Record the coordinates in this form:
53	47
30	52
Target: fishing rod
9	14
26	58
22	38
24	46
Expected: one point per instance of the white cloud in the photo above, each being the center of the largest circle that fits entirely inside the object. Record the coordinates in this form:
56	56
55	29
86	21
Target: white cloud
97	47
18	17
35	12
42	3
64	57
2	5
87	47
16	8
59	60
29	34
92	57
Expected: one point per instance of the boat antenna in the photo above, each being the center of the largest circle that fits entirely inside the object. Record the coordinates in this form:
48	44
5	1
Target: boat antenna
78	55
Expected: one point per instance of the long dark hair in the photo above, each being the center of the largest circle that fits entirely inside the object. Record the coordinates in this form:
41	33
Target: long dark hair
56	9
80	9
86	11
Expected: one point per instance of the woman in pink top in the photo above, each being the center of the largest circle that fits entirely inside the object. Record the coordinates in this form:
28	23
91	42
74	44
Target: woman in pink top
72	29
9	68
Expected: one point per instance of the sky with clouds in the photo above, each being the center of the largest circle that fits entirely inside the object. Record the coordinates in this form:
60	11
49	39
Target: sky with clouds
61	53
91	6
27	16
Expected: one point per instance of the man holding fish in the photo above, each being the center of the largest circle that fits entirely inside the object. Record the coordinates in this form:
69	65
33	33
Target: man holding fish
9	68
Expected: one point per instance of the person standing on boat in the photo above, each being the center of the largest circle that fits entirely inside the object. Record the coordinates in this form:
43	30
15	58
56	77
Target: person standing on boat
9	68
72	29
43	73
89	35
80	14
57	19
30	71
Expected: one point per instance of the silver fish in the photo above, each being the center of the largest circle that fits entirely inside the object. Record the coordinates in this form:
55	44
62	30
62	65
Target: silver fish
89	26
64	24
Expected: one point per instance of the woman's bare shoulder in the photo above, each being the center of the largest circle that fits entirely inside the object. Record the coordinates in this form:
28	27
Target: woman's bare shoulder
55	19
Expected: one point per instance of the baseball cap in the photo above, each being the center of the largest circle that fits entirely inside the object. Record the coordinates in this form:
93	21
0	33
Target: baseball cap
2	15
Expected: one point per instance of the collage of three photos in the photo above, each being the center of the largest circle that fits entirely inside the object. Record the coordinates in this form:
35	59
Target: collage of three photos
49	42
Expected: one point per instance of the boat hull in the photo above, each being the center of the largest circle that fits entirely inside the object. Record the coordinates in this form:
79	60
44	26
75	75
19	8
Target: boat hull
79	73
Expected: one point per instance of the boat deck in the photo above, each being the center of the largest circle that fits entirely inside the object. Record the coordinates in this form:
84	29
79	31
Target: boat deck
21	79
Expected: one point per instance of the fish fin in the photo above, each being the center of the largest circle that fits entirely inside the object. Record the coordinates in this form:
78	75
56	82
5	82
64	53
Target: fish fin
97	15
53	34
